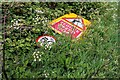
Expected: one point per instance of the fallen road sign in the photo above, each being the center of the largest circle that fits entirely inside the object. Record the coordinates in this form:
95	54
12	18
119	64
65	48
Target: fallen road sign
70	24
46	40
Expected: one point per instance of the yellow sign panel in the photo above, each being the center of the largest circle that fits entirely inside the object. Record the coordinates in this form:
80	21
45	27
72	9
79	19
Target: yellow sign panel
71	24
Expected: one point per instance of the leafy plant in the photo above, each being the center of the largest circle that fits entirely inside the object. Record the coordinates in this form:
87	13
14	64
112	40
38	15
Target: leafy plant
94	55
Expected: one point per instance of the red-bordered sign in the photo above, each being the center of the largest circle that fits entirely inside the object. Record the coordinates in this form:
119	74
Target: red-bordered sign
46	40
70	24
68	28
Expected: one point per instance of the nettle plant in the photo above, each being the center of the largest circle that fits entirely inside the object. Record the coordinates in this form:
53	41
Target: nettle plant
95	55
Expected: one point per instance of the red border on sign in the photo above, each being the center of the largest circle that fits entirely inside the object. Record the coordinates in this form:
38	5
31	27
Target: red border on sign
81	30
68	23
44	35
84	27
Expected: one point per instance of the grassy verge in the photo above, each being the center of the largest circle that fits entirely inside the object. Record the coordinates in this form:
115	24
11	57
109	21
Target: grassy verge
95	55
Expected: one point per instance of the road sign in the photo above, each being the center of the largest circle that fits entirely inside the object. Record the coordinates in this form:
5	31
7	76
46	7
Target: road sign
45	40
70	24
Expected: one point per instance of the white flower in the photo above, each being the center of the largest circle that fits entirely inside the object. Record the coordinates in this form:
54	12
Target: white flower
16	22
45	75
40	55
38	52
39	59
34	59
39	11
37	56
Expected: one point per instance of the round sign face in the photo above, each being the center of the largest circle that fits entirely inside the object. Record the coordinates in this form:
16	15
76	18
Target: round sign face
46	41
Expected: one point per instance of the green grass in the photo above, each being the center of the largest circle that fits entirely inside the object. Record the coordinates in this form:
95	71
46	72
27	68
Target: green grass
94	55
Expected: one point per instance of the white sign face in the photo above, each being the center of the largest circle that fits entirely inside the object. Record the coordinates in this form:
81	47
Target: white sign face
46	41
77	22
